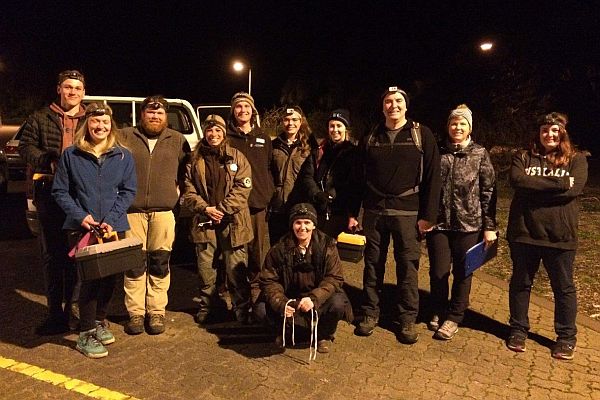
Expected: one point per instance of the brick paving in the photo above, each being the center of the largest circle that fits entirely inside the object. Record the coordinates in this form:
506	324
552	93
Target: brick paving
231	361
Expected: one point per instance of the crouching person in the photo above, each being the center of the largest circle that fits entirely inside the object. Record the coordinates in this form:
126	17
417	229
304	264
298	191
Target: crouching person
303	273
217	186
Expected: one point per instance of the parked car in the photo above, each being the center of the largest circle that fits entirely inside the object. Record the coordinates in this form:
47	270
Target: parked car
3	173
16	165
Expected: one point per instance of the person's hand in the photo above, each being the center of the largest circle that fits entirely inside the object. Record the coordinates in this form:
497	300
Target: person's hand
321	198
88	222
424	226
214	214
106	227
289	311
306	304
489	237
352	224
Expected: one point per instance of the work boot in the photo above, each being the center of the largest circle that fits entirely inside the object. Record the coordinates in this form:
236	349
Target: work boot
408	334
366	326
156	324
135	325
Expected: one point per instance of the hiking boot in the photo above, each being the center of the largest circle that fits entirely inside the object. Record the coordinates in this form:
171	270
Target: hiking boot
366	326
135	325
103	334
201	317
53	325
434	323
324	345
516	343
156	324
563	351
90	346
447	331
407	334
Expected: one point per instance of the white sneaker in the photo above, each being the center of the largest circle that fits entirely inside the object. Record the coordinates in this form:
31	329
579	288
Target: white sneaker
447	330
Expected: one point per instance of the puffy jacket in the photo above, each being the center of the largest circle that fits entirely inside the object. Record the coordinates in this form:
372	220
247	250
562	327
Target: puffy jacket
286	164
235	204
257	148
103	188
468	196
544	210
287	275
41	140
159	174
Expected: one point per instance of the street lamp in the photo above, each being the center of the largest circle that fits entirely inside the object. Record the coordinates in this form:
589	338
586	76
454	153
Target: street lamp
239	66
486	46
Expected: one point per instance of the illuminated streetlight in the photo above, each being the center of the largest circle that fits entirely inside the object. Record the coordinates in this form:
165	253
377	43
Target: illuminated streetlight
486	46
239	67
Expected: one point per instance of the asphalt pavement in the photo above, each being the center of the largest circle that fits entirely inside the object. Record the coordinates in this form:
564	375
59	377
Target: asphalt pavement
226	360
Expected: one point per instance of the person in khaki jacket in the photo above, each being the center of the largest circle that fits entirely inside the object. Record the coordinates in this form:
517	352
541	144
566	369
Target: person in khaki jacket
217	186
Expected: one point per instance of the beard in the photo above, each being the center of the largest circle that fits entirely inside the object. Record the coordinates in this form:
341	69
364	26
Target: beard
153	129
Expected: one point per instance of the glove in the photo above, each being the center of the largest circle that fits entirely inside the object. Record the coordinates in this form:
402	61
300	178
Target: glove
321	199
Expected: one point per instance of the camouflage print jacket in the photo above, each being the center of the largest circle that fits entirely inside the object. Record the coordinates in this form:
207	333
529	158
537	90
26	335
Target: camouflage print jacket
468	195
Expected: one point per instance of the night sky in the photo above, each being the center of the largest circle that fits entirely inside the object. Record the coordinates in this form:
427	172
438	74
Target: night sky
351	49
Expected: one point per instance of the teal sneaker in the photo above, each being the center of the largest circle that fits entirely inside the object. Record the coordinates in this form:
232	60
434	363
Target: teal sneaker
90	346
103	334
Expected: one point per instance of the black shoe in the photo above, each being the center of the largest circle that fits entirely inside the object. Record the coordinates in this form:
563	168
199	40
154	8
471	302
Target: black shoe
563	351
135	325
156	324
324	346
407	334
52	326
201	317
366	326
516	343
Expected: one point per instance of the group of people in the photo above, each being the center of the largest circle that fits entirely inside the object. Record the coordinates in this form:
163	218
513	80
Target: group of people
266	214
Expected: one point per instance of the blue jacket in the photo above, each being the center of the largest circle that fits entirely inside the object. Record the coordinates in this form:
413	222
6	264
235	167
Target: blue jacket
103	187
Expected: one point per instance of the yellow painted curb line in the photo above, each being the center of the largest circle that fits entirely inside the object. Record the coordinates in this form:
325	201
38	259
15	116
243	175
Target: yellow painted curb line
60	380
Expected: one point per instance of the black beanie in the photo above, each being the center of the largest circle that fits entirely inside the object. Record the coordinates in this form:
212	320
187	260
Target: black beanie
341	115
303	211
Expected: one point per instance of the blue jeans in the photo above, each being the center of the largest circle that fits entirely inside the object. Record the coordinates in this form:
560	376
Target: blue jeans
559	266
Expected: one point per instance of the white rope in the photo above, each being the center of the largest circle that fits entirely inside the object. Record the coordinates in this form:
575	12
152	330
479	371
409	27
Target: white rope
293	324
314	324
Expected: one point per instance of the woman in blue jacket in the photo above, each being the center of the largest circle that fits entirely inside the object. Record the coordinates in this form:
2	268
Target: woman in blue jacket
95	184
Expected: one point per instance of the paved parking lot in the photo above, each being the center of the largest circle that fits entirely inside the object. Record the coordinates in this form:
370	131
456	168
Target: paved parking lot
231	361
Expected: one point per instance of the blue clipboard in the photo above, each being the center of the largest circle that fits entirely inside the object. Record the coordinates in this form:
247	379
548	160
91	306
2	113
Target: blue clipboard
478	255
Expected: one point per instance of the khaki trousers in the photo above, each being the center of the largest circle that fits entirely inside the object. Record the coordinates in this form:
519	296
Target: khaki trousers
145	292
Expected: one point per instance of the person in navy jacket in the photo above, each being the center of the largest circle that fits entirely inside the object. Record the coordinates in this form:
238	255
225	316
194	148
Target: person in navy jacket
95	184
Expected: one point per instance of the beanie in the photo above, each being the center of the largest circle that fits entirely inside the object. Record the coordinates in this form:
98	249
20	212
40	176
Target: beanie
396	89
462	111
243	96
214	120
341	115
303	211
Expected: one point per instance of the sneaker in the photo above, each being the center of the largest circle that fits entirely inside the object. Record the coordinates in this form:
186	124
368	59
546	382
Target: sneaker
407	334
324	345
434	323
447	331
516	343
366	326
103	334
563	351
53	325
90	346
156	324
135	325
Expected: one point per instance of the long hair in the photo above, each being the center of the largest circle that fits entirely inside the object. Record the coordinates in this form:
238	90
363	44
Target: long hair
304	131
82	139
565	150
